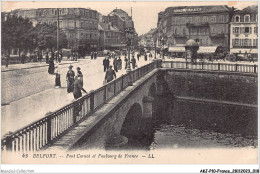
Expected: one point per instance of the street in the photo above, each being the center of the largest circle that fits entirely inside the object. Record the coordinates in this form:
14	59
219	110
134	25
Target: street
21	85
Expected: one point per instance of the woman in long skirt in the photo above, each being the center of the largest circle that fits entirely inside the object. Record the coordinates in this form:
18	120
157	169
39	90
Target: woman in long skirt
51	66
57	78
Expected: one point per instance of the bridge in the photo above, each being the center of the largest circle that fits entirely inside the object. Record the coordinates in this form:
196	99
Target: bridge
125	106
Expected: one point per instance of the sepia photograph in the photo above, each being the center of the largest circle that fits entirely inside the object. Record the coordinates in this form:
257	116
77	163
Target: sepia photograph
133	82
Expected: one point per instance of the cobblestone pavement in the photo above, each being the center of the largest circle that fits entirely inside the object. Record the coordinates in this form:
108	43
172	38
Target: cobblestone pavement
22	80
21	112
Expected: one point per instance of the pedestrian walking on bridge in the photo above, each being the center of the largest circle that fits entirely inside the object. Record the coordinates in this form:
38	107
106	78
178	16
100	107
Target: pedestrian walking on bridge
110	74
133	61
125	62
115	63
70	79
119	63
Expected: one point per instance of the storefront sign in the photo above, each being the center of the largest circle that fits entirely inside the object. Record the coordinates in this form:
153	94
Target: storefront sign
187	10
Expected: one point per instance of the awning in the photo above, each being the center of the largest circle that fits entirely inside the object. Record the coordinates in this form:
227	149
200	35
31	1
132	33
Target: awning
176	49
211	49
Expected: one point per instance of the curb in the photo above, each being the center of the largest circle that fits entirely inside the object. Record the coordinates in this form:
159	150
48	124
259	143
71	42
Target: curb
36	66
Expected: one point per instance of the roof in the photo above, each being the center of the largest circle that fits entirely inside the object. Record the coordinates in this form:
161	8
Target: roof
105	27
249	9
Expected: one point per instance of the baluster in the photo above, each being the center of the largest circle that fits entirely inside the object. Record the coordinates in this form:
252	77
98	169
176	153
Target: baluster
28	141
31	140
24	143
20	142
49	132
16	144
43	134
37	137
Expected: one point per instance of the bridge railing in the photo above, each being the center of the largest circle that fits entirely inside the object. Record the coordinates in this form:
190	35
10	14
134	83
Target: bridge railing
42	133
211	66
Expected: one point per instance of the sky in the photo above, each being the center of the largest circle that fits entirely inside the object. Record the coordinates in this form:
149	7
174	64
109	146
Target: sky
145	14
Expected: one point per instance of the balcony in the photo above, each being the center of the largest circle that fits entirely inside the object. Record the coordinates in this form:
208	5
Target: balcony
199	24
220	35
250	47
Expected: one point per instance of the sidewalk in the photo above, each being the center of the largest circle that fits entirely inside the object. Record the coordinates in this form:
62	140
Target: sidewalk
20	113
13	67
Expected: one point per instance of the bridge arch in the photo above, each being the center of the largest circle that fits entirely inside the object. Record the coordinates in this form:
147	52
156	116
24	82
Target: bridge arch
131	125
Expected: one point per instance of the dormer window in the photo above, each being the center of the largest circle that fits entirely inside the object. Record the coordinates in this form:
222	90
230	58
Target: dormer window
247	18
237	19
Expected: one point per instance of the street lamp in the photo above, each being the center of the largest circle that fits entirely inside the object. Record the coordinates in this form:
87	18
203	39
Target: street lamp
129	34
163	41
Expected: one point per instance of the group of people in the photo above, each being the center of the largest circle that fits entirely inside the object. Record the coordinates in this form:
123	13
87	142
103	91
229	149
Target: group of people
93	55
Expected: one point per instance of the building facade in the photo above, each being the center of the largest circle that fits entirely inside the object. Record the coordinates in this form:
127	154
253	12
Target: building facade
244	31
207	25
122	21
148	40
79	24
109	35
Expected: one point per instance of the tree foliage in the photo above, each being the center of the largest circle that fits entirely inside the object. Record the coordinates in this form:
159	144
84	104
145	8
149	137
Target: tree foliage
13	30
45	36
18	32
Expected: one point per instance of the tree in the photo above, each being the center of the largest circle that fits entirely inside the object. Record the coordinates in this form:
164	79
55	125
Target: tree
45	36
13	30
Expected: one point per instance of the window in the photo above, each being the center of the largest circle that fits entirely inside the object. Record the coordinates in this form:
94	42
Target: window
213	19
81	34
71	24
177	20
183	20
189	20
55	12
246	42
81	24
247	30
221	18
255	30
45	13
60	24
236	42
247	18
196	19
173	20
236	30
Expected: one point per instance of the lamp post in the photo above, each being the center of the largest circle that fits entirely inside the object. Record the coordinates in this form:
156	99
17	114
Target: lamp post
58	32
129	34
163	41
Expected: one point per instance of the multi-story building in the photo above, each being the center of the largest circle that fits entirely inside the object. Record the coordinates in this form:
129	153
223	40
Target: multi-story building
79	24
122	20
148	40
207	25
244	31
109	35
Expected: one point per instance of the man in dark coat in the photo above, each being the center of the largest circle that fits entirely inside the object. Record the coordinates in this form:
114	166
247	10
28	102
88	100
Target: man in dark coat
105	64
133	61
51	66
47	58
70	79
115	63
110	74
138	56
119	63
125	62
145	57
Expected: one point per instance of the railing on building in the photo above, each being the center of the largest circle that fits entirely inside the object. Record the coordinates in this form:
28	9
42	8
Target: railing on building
211	66
44	132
